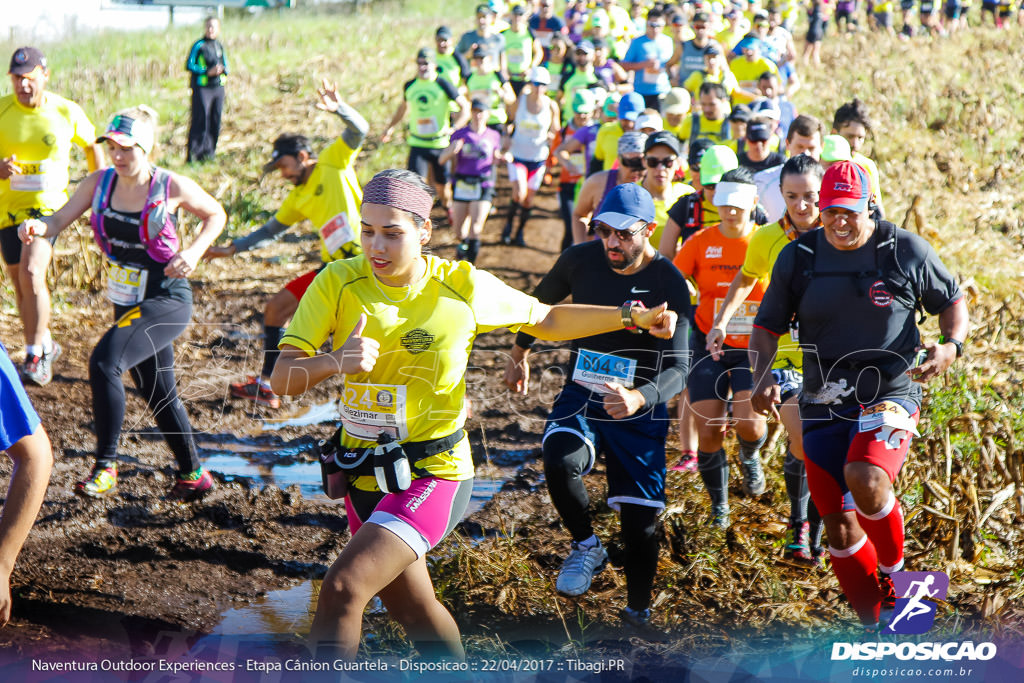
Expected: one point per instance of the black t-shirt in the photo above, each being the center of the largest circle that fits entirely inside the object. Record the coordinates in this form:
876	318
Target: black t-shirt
857	333
773	159
583	273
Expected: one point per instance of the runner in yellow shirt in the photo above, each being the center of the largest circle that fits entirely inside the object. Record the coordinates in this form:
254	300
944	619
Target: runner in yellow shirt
37	130
800	180
402	325
326	193
853	123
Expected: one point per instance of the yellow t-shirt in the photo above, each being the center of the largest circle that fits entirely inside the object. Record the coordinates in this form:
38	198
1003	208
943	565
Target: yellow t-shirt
729	38
330	199
661	207
416	389
765	245
606	145
712	130
697	79
40	139
748	72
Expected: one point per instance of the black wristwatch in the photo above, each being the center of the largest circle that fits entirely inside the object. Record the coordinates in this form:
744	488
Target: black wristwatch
626	313
943	339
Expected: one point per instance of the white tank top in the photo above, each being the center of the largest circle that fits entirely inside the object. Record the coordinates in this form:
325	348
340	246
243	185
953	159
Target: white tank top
530	139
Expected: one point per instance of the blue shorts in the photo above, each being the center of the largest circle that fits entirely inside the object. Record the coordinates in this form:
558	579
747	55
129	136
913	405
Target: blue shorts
711	379
634	448
18	418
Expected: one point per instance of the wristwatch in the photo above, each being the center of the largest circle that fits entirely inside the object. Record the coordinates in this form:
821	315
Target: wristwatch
943	339
627	315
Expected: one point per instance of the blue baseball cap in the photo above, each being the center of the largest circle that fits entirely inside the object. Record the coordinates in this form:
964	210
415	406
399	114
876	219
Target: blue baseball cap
630	106
625	205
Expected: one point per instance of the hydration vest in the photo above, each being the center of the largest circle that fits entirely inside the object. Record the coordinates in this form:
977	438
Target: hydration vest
158	227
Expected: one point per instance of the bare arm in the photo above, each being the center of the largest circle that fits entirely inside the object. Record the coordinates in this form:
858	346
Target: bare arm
572	321
464	112
953	324
395	120
453	149
52	225
33	460
296	371
738	292
586	204
186	194
669	241
766	395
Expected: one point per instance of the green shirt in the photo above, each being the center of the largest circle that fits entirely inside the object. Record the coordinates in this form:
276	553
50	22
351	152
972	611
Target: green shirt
518	52
428	102
487	87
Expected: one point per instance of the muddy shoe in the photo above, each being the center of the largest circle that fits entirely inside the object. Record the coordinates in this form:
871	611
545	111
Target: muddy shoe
101	482
719	516
753	476
188	490
640	618
579	568
252	390
39	369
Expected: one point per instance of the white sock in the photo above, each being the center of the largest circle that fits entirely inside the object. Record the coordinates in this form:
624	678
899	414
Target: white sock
47	343
34	350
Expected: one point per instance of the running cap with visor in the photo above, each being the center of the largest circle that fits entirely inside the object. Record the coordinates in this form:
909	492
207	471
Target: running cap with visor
611	104
286	145
427	55
479	104
583	102
444	32
624	206
835	148
649	120
540	74
758	132
715	163
129	132
677	101
662	137
630	106
25	60
585	46
741	195
845	186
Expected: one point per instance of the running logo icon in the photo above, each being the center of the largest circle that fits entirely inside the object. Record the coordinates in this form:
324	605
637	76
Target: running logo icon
915	606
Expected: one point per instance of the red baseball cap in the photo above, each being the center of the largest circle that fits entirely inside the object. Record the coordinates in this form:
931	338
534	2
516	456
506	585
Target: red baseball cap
845	186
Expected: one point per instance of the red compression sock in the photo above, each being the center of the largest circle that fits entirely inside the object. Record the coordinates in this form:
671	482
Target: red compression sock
855	569
885	529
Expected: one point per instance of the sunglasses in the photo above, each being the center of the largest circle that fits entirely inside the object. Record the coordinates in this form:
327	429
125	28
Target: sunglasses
655	162
655	24
634	163
605	231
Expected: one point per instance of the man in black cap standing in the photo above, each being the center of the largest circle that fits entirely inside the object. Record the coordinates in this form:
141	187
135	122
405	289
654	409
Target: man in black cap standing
208	66
451	65
37	130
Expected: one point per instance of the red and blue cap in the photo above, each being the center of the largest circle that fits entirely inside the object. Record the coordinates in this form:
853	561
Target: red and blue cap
845	186
625	205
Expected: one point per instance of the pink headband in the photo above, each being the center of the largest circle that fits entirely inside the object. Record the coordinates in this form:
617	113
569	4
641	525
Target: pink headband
398	194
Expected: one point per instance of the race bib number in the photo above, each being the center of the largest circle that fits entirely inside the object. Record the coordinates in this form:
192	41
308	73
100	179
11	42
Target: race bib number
593	369
652	76
886	414
35	176
427	127
126	286
466	191
742	322
336	233
516	62
368	410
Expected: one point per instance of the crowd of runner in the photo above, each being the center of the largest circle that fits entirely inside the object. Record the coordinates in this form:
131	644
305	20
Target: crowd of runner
721	251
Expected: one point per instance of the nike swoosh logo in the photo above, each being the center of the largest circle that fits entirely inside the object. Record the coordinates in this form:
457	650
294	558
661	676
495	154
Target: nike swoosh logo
639	291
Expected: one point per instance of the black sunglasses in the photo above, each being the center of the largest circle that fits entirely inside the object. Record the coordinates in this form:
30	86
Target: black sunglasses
654	162
634	163
605	231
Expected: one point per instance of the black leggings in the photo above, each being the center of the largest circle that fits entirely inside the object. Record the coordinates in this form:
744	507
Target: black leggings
142	341
565	459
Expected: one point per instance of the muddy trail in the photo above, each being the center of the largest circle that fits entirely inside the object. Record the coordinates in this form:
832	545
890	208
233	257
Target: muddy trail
134	576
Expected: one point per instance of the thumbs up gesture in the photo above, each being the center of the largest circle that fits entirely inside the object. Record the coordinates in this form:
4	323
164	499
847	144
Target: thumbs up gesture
358	353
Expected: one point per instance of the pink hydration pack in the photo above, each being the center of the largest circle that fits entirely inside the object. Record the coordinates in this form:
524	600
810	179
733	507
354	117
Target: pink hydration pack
158	227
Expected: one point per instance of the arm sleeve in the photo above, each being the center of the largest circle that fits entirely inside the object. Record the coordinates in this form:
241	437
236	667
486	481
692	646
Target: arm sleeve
553	288
463	65
675	352
356	126
264	234
193	64
778	305
448	88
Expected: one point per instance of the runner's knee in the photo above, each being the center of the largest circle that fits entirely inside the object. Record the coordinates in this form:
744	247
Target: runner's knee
565	456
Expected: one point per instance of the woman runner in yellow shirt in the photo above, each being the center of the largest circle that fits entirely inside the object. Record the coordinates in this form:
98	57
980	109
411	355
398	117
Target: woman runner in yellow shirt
402	325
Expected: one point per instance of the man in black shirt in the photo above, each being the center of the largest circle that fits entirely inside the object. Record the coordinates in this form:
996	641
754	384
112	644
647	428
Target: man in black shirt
615	400
754	150
854	287
208	67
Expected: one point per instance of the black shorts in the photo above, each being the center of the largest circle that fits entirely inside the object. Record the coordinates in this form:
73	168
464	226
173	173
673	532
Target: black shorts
468	186
710	380
883	19
10	245
421	159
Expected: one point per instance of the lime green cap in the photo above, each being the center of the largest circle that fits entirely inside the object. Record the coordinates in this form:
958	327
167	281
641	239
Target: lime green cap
715	163
835	148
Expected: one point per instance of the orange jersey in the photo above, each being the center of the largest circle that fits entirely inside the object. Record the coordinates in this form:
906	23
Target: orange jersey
712	260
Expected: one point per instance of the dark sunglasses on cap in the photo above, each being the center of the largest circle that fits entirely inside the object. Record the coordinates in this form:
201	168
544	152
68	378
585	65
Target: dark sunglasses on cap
605	231
635	163
655	162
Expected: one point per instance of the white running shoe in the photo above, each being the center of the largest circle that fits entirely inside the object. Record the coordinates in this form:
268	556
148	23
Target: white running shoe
579	568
